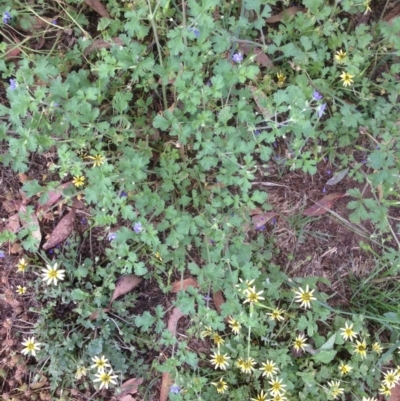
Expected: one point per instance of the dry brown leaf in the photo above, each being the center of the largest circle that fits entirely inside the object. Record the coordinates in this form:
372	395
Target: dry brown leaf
13	47
15	248
94	315
54	196
124	285
62	230
127	397
184	284
35	386
13	223
166	378
323	205
31	222
395	393
98	7
261	58
394	13
102	44
11	205
284	14
129	387
260	220
218	299
261	100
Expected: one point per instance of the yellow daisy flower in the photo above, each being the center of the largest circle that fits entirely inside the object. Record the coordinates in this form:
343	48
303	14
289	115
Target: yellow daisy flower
105	378
385	390
247	366
344	368
347	78
218	340
79	181
100	363
361	348
335	389
281	78
220	361
98	160
31	346
20	290
340	56
305	297
220	385
260	397
277	314
390	378
269	368
376	347
277	388
22	265
234	325
299	342
347	332
252	296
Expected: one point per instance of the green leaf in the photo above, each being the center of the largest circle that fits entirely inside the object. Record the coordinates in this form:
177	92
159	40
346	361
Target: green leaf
329	344
145	321
78	295
325	356
32	188
161	122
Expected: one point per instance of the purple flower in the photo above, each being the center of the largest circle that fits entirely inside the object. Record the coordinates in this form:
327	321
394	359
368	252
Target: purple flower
54	22
317	96
13	84
175	389
137	227
207	298
112	236
123	194
257	132
83	220
329	172
195	31
2	254
261	228
237	57
7	17
321	110
324	190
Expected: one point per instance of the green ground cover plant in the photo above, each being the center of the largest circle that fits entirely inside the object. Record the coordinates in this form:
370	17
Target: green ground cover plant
162	116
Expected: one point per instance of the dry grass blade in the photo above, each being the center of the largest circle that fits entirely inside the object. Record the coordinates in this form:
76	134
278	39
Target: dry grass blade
62	231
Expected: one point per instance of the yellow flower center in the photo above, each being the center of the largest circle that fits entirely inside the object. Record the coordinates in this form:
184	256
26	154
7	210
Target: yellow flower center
53	274
30	347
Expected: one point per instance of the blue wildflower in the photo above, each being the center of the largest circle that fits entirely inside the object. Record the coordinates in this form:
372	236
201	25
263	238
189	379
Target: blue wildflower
137	227
83	220
54	22
324	190
195	31
112	236
207	298
257	132
237	57
123	194
13	84
2	254
317	96
175	389
321	110
7	17
329	172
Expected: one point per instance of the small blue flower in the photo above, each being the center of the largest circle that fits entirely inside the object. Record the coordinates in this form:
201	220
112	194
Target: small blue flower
54	22
175	389
7	17
261	228
112	236
83	220
324	190
207	298
195	31
2	254
257	132
13	84
137	227
237	57
317	96
329	172
321	110
123	194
